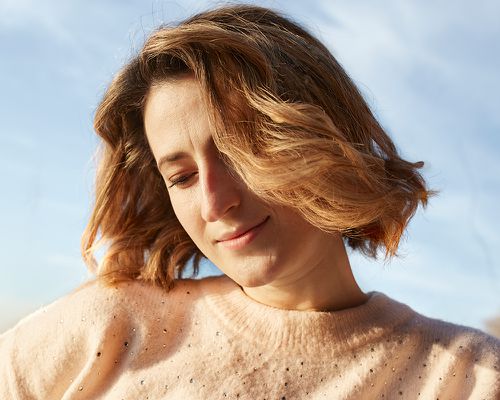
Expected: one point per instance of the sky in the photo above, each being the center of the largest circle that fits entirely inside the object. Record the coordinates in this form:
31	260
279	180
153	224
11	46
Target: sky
429	71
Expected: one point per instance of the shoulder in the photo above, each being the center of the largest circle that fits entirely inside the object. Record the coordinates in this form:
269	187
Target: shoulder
434	331
454	336
91	300
448	351
45	349
94	302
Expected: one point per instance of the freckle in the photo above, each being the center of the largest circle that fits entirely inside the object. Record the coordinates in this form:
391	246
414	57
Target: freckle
400	393
188	292
288	369
425	365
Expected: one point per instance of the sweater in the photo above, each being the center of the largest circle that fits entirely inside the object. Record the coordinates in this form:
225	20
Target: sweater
207	339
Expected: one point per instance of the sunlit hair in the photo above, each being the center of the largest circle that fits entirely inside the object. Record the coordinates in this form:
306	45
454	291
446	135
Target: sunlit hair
287	120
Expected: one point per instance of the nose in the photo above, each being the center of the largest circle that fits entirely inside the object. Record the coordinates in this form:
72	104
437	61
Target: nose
220	192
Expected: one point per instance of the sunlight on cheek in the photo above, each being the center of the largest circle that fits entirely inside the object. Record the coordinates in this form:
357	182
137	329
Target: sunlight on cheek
186	207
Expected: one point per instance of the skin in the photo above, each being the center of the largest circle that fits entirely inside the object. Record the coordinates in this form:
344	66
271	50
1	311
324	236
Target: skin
290	264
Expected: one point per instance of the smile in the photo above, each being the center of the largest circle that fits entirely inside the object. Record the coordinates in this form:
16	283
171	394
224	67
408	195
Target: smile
244	239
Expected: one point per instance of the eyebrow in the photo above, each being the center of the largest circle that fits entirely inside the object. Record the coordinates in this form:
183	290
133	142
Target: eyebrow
169	158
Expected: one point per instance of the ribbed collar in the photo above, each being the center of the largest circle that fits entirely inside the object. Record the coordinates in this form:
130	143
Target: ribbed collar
306	332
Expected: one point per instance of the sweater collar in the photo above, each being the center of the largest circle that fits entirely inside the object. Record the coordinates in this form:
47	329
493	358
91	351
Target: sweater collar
303	331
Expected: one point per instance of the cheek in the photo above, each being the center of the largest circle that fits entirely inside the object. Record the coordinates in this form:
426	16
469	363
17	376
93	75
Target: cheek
188	215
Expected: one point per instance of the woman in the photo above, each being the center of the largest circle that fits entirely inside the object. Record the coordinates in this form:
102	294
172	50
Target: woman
237	136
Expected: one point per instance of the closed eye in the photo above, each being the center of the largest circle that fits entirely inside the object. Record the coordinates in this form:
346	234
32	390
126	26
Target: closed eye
181	180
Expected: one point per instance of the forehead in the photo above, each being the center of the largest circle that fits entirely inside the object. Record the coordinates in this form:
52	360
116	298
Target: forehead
175	116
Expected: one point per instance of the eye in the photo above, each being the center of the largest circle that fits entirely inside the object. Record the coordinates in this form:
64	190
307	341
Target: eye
181	180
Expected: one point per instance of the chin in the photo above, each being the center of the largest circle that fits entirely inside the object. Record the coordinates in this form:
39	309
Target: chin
254	275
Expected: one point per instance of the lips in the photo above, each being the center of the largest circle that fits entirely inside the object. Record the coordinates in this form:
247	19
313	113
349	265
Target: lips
239	232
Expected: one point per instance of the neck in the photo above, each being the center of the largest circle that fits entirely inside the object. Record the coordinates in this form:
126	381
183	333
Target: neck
325	285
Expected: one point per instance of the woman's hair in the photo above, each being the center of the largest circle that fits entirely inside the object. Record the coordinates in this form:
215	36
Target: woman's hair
286	119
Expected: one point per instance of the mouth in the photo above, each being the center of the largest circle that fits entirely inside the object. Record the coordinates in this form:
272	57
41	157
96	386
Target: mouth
244	238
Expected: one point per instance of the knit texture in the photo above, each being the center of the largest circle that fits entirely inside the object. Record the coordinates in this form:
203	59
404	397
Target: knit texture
206	339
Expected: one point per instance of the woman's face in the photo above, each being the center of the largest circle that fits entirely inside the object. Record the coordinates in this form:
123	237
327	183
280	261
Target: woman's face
211	205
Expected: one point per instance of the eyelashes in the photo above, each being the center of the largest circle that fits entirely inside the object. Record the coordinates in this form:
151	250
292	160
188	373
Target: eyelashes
181	180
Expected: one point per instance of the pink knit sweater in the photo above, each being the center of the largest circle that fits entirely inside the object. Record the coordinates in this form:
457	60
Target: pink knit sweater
206	339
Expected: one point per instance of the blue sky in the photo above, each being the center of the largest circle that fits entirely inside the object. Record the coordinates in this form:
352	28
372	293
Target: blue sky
428	70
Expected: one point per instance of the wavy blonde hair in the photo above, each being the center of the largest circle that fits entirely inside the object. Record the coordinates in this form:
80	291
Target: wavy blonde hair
288	121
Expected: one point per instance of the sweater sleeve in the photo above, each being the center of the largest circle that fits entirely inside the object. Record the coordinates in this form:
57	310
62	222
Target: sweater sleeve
45	354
